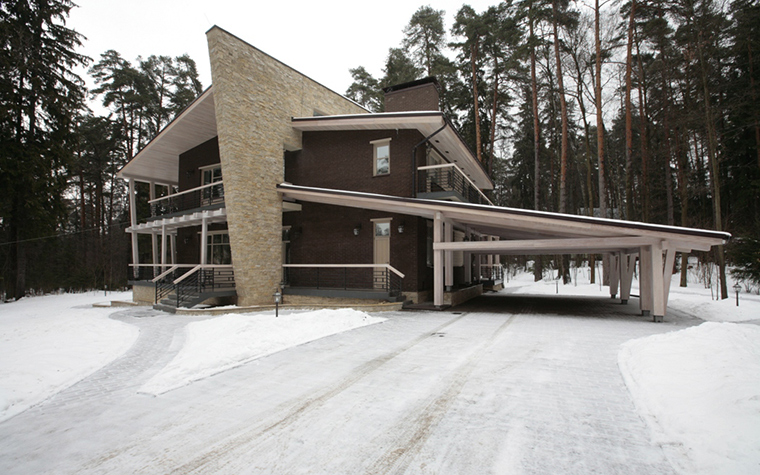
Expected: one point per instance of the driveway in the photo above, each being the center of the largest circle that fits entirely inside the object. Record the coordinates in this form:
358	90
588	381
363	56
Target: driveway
504	384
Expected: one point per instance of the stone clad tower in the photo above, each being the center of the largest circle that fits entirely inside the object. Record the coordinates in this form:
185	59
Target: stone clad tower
255	97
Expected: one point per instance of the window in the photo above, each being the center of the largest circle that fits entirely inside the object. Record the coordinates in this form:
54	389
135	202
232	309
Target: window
218	250
212	194
382	229
212	174
382	157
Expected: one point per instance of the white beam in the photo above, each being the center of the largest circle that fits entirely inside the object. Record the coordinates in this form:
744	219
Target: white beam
529	246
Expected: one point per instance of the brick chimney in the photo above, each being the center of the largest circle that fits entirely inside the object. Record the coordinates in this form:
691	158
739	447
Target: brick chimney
419	95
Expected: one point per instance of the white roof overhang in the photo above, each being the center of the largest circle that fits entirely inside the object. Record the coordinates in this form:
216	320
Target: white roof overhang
444	138
158	162
522	232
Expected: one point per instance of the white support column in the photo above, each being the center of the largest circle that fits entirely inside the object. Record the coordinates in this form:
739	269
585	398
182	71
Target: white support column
645	280
163	247
614	273
173	241
437	261
496	260
658	288
133	222
204	239
153	236
627	264
467	257
448	231
478	263
667	273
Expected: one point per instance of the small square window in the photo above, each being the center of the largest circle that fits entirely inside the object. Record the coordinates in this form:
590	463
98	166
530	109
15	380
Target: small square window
382	229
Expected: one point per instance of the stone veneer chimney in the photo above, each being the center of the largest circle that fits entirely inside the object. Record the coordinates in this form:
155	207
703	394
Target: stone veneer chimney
419	95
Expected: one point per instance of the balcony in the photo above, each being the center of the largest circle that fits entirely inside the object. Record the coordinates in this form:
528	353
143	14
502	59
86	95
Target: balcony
209	196
448	182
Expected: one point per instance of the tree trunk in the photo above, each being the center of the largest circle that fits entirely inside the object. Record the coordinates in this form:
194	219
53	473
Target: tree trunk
645	186
599	117
538	271
473	58
714	171
629	117
563	112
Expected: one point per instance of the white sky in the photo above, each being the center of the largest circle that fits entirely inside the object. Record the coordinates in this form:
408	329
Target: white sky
321	39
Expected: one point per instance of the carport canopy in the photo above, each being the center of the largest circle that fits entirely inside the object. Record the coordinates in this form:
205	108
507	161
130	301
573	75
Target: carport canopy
528	232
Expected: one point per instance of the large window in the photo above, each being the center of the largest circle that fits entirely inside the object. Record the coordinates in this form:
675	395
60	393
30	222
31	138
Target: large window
218	248
382	157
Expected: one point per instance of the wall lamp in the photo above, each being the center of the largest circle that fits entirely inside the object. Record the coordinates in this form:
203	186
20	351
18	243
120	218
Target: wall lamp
357	228
401	227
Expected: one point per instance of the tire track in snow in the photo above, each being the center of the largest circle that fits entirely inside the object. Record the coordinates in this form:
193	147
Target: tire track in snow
411	440
224	452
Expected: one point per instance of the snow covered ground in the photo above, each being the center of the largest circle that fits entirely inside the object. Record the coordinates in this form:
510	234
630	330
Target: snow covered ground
49	343
228	341
697	388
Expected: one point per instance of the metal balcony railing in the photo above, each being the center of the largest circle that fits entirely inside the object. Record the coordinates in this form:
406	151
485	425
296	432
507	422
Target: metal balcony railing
443	180
201	197
375	277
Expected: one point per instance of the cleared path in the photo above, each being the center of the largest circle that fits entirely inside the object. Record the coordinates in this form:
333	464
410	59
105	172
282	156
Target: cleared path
535	389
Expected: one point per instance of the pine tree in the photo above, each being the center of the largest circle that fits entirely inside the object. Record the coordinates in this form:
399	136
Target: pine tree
39	94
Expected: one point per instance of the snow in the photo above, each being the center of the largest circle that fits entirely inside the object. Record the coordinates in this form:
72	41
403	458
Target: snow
231	340
699	390
48	343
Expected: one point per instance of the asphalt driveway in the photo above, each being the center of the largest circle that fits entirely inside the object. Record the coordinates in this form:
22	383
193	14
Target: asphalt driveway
504	384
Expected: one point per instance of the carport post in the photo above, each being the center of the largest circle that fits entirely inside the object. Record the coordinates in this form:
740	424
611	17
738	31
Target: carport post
627	263
437	261
645	280
614	273
658	294
133	223
667	273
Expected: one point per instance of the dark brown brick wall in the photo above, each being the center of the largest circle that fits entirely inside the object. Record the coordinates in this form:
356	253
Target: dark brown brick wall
344	161
203	155
323	234
417	98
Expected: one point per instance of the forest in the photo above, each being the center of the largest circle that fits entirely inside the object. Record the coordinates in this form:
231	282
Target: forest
638	110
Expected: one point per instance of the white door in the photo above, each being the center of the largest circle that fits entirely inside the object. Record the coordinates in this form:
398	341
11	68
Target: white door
382	251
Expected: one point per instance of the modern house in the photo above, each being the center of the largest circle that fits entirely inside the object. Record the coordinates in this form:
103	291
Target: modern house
270	181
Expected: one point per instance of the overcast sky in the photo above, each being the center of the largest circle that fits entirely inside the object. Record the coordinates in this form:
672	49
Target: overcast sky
321	39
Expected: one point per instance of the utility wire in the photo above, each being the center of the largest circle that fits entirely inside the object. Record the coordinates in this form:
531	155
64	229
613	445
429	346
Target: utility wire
61	234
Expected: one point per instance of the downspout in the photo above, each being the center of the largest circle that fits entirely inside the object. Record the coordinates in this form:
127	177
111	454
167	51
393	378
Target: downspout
414	157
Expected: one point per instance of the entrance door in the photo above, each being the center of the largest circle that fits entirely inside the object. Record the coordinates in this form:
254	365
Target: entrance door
382	251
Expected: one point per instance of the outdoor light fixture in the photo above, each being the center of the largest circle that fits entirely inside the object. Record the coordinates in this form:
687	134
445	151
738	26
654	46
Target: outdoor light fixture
277	300
357	228
401	227
737	289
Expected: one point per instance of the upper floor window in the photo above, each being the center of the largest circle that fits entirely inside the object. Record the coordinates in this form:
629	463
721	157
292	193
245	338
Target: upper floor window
382	157
212	174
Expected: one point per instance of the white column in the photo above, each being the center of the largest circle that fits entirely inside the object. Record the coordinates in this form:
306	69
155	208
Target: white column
614	273
627	264
173	241
163	247
658	289
204	238
153	237
437	261
478	263
448	231
467	257
133	221
496	260
667	274
645	280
